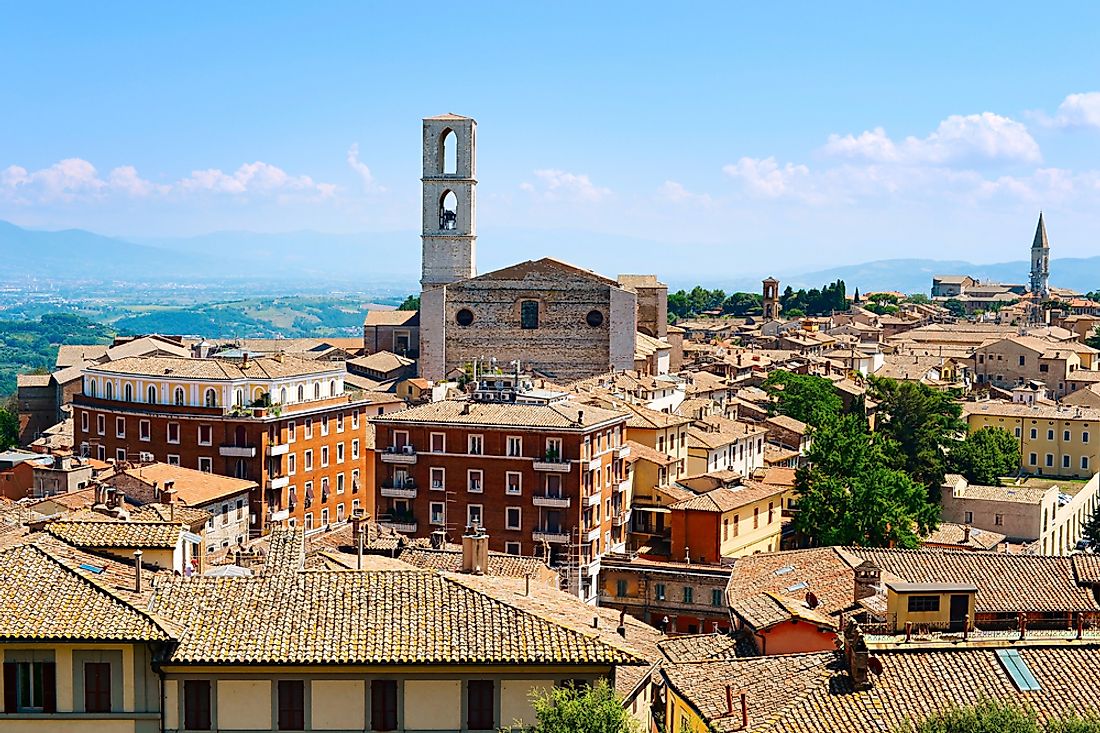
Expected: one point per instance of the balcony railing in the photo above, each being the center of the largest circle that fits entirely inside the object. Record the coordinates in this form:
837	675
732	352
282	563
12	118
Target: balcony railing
622	451
552	463
551	502
553	536
593	534
404	523
278	482
399	489
280	515
593	499
278	449
404	455
622	519
237	451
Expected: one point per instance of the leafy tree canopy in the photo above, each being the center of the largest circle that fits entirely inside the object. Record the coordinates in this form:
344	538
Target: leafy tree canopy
815	302
985	456
955	307
992	716
411	303
1094	339
579	709
813	400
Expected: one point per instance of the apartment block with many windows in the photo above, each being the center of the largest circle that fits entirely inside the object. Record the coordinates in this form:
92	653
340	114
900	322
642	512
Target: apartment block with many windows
543	478
283	422
1054	440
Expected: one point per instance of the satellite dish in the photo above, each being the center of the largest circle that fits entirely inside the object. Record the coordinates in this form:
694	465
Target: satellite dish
875	665
811	599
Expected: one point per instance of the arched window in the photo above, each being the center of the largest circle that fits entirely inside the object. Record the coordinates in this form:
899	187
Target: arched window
92	388
240	470
179	396
238	398
211	398
151	394
282	396
448	152
448	211
109	392
332	388
301	393
128	392
316	390
529	314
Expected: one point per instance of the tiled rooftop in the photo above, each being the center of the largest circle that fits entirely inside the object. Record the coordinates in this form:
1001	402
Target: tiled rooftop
114	534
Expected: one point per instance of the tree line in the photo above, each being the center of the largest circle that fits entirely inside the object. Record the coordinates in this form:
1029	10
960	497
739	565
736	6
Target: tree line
813	302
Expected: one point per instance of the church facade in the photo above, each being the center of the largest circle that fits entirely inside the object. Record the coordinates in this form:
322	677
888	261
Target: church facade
558	320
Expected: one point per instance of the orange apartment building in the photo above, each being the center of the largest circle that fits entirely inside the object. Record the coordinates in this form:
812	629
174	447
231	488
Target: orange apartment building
284	422
543	475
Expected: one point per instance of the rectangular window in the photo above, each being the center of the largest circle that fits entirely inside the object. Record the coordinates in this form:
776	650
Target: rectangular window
436	512
292	705
1065	461
515	446
1085	436
206	465
324	426
512	517
309	521
716	597
968	517
120	454
355	480
30	686
339	512
339	483
473	480
999	519
101	424
513	548
1018	431
383	705
553	449
529	314
196	704
291	429
1084	463
513	483
206	435
291	464
97	687
83	421
339	452
1065	436
324	517
340	423
173	459
1033	459
307	460
756	517
355	450
1034	433
475	445
659	591
439	443
1050	434
736	524
173	432
620	588
689	594
309	427
324	456
924	604
355	421
145	430
1050	459
438	478
473	515
120	427
480	705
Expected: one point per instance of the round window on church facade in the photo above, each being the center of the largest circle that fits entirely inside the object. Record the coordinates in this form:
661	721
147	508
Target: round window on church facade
464	317
594	319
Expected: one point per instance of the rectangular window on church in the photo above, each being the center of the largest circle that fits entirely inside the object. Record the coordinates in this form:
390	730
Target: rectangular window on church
529	314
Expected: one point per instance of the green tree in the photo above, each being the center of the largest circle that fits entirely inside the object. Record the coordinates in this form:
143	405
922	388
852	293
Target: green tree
918	299
849	495
411	303
9	429
955	307
579	709
985	717
1094	339
919	423
985	456
1091	530
743	304
804	397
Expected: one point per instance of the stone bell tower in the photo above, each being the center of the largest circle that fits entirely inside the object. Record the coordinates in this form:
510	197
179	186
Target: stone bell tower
449	231
1040	261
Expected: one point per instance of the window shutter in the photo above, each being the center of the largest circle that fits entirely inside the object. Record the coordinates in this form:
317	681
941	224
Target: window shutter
11	692
49	687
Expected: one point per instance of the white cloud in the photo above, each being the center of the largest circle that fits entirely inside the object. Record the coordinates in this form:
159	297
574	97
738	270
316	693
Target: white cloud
362	169
675	192
554	185
959	138
75	178
1078	110
765	177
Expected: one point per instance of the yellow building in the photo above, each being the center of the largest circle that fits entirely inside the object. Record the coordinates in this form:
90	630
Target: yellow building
1054	441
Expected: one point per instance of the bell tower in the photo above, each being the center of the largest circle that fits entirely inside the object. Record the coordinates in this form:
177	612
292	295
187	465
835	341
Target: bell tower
449	230
1040	261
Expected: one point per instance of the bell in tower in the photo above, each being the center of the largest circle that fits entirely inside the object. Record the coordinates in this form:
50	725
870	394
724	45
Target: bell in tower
449	231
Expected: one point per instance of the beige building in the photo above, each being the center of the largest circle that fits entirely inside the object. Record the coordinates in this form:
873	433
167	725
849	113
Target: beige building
1012	361
1054	440
717	443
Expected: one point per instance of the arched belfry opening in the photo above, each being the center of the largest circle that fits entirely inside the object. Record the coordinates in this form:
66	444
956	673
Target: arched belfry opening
448	153
448	211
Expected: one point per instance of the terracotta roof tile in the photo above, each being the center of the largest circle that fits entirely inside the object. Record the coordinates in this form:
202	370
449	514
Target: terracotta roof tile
115	534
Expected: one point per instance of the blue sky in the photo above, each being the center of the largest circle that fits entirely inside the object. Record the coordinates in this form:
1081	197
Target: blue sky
815	133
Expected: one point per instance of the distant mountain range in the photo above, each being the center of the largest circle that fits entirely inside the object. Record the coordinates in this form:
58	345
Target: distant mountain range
395	257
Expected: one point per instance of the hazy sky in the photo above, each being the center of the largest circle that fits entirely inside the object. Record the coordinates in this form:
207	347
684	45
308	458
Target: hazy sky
818	133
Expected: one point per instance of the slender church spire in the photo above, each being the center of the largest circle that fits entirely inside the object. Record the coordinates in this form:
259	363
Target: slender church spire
1040	260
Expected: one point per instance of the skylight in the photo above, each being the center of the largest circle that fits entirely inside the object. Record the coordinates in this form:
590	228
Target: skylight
800	585
1017	669
97	569
784	570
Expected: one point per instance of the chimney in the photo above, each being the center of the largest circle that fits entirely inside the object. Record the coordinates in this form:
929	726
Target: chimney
867	578
438	537
595	622
137	571
622	623
244	359
475	550
966	534
857	655
580	417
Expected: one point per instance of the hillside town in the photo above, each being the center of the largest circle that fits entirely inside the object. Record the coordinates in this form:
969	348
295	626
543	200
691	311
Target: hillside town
542	477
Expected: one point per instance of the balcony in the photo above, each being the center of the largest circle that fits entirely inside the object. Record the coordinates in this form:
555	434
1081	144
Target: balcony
237	451
553	536
405	455
622	519
399	489
278	482
593	534
404	527
595	464
551	502
622	451
552	463
623	485
280	515
593	499
280	449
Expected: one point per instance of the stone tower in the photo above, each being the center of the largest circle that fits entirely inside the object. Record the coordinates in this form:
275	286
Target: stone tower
771	299
1040	261
449	228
